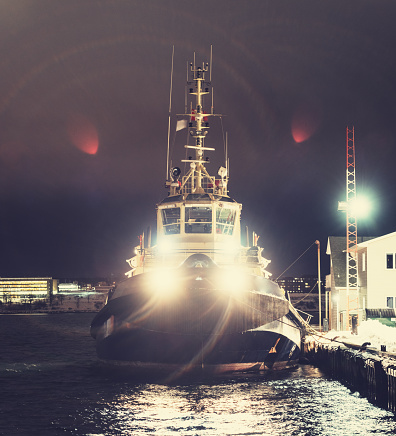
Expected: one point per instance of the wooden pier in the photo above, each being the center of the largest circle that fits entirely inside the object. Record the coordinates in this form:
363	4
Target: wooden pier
366	370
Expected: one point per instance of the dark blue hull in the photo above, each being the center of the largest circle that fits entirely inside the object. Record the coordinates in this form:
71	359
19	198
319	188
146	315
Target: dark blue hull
258	349
203	325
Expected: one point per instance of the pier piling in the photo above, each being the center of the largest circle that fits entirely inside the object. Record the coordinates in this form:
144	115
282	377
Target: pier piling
372	373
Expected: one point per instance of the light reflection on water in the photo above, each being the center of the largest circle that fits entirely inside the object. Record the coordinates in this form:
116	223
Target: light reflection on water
49	373
301	402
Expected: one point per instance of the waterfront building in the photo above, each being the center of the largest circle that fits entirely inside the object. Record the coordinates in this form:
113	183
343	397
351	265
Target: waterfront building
303	294
47	293
104	287
375	296
84	289
304	284
25	290
74	288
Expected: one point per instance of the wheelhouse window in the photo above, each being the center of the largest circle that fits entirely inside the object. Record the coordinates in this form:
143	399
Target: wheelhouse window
198	219
389	302
225	220
389	261
171	220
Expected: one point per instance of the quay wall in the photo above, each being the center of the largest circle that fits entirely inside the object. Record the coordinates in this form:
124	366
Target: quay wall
60	303
370	372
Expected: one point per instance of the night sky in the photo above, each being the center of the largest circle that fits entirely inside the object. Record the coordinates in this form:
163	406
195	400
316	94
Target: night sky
84	96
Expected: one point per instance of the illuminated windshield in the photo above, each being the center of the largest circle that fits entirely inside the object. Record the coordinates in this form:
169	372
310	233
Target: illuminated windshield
225	219
198	219
171	220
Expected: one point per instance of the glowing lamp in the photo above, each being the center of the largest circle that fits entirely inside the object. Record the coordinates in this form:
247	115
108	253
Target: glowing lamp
232	282
231	245
164	246
162	283
359	206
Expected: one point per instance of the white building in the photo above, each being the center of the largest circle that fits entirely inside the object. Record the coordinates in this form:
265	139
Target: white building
28	289
74	288
376	292
377	271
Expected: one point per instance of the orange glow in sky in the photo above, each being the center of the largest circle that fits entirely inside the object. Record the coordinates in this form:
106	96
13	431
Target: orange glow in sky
83	134
300	133
305	123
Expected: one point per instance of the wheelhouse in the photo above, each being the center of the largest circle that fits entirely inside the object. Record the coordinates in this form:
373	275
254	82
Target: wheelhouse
197	216
197	221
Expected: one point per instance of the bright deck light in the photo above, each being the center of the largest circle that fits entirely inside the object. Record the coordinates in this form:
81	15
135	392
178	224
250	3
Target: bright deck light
164	246
231	245
163	282
232	281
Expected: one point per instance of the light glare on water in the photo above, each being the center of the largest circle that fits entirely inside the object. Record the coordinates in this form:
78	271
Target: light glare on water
50	373
301	402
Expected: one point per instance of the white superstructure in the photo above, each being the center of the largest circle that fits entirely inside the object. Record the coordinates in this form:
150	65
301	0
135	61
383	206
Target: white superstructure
198	216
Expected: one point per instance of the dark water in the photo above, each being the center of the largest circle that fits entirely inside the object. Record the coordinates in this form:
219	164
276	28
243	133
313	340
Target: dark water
52	384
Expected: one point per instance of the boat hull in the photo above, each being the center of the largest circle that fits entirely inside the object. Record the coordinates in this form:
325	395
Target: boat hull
244	351
202	320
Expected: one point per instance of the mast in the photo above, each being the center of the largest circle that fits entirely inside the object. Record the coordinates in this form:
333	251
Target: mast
199	132
199	126
169	117
197	179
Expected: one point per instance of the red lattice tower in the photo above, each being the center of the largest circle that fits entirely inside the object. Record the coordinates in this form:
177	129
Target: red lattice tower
351	227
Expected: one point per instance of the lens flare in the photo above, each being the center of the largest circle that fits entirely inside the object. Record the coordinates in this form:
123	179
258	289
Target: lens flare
163	283
83	134
164	245
233	282
305	122
360	206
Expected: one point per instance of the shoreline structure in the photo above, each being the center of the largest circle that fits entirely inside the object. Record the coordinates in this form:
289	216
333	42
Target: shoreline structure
365	362
59	303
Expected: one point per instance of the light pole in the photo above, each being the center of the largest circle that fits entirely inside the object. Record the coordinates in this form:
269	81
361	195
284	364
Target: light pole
337	299
319	287
327	309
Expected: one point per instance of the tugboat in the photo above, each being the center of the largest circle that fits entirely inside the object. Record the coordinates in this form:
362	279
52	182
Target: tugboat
198	299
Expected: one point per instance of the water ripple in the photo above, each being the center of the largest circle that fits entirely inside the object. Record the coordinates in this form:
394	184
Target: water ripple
50	374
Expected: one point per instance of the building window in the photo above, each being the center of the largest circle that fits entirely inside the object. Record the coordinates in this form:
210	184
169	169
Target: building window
389	261
389	302
364	262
